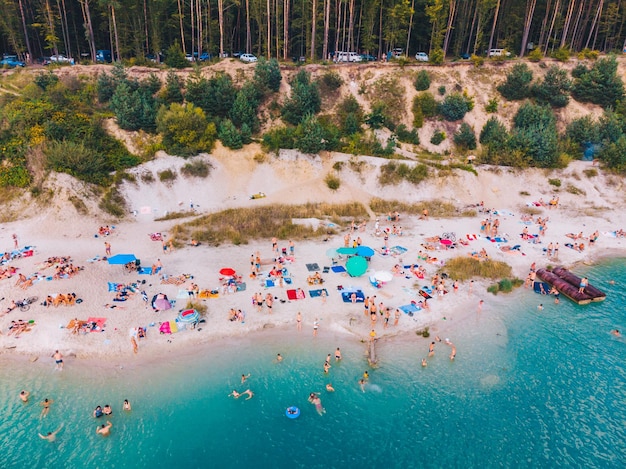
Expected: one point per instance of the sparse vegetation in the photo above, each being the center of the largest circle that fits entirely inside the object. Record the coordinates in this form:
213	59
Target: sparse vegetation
332	181
506	285
394	173
238	226
436	208
574	190
466	268
167	175
113	202
196	168
147	177
554	182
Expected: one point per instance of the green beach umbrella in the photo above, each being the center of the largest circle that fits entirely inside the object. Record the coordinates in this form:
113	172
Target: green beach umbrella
347	251
356	266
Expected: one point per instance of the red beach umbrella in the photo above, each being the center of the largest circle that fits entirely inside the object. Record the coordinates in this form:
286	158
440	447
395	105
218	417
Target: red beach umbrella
227	271
445	242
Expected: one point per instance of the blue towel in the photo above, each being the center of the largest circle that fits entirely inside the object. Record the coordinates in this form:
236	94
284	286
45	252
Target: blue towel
288	280
360	297
269	283
410	308
146	270
338	269
398	250
315	293
113	286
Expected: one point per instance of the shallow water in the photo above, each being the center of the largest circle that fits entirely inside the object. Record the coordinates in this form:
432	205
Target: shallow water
528	388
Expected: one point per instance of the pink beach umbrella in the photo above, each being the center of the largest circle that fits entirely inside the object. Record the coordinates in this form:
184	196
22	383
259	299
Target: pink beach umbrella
445	242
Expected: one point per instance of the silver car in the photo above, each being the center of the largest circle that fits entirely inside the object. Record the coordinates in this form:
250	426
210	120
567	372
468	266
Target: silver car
421	57
248	58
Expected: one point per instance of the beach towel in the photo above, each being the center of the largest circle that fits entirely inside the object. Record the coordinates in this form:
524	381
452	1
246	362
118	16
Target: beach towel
242	286
114	286
182	294
269	283
96	324
398	250
410	309
346	296
425	294
318	292
326	269
173	281
314	267
338	269
296	294
93	259
146	270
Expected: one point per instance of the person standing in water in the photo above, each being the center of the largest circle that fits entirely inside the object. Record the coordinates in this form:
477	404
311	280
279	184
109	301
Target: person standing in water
24	396
58	359
51	436
104	430
337	354
126	405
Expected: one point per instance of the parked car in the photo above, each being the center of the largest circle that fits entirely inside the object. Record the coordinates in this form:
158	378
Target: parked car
368	58
397	52
11	63
237	54
205	56
189	57
43	60
248	58
104	56
60	58
421	57
153	58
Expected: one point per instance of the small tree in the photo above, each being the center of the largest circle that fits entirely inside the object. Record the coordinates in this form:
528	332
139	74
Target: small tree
244	110
229	135
310	135
599	85
554	89
267	75
349	115
454	107
614	155
175	57
427	104
173	89
185	130
305	99
465	138
517	84
422	81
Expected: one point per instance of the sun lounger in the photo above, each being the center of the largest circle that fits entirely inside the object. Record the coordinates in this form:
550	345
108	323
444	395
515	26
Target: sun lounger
346	296
318	292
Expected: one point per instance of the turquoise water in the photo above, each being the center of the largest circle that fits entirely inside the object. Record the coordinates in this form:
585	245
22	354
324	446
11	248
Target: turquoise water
528	388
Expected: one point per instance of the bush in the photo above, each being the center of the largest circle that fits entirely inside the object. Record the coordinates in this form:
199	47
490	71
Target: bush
167	175
438	137
465	138
494	134
614	155
535	135
517	84
331	81
583	130
599	85
349	115
310	136
590	173
388	97
267	76
427	104
441	90
418	114
554	182
394	173
477	60
185	130
147	177
588	54
113	202
454	107
173	89
304	100
492	106
46	80
554	89
535	55
422	81
279	137
562	54
79	161
175	57
436	56
406	136
332	181
229	135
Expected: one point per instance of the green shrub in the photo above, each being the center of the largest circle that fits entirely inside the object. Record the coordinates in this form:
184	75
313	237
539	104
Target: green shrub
554	89
562	54
465	267
229	135
175	57
185	130
267	76
331	81
614	155
583	130
436	56
572	189
465	138
338	165
113	202
438	137
590	173
588	54
304	99
418	114
349	115
441	90
147	177
196	168
167	175
477	60
422	81
332	181
46	80
535	55
454	106
173	91
554	182
492	106
309	137
394	173
279	137
599	85
388	97
517	83
535	135
79	161
427	104
505	285
407	136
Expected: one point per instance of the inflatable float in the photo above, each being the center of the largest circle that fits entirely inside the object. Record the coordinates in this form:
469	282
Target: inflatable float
292	412
568	284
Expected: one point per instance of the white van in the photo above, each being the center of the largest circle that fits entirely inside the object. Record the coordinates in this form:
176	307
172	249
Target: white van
347	57
498	53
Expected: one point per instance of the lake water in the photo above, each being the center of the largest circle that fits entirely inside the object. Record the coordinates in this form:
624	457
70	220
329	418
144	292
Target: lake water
528	388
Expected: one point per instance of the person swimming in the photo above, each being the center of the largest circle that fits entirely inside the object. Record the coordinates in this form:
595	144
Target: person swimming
97	412
317	402
126	405
329	388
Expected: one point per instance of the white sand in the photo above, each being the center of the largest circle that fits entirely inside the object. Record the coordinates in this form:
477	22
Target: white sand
59	231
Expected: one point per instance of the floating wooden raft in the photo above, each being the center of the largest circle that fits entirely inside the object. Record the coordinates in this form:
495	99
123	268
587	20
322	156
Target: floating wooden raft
568	284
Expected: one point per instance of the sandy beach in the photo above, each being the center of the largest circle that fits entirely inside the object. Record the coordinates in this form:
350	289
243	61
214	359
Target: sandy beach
58	230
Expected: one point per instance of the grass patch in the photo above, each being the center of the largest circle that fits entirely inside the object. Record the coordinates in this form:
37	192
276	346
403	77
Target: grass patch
436	208
238	226
531	210
201	308
394	173
506	285
79	205
167	175
338	165
572	189
332	181
554	182
466	268
423	332
176	215
524	193
590	173
147	177
260	158
356	165
196	168
113	202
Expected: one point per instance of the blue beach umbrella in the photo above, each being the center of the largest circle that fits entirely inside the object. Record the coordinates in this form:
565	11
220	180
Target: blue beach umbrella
121	259
347	251
356	266
364	251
